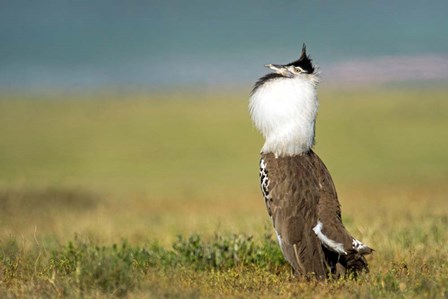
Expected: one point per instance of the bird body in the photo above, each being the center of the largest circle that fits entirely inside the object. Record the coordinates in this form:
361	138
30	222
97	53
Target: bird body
297	188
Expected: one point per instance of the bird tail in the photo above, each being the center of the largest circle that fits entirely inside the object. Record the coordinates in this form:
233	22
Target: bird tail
356	263
349	265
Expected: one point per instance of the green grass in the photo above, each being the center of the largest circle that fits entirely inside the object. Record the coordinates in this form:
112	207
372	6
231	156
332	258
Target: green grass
94	192
81	267
223	265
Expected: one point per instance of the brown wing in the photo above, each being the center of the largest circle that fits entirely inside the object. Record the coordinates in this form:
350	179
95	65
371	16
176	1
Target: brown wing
300	195
331	227
329	209
292	203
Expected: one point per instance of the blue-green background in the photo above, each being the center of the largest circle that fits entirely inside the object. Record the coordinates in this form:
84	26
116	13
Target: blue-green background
163	44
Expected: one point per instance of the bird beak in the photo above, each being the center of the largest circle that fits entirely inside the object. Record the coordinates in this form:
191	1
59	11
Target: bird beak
280	69
275	67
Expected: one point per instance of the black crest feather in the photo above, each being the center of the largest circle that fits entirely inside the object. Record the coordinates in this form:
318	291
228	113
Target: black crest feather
304	62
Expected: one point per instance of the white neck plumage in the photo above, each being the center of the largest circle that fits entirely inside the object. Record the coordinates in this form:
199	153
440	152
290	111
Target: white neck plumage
284	110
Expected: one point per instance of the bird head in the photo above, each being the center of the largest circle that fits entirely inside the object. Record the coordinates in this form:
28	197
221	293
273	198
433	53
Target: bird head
301	66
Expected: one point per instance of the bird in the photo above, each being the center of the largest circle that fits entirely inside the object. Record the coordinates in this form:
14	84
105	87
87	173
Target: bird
297	188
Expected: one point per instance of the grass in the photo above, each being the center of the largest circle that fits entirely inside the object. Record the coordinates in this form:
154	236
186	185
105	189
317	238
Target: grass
157	196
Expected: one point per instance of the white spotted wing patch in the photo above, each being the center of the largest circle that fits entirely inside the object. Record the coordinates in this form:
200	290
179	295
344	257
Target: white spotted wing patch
360	247
327	242
264	184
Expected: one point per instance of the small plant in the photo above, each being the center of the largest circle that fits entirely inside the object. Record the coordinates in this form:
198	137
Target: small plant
223	252
115	269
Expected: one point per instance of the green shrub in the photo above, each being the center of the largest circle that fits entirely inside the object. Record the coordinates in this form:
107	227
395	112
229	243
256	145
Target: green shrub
223	252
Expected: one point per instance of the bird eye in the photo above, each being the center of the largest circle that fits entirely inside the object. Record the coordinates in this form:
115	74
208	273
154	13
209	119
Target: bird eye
299	69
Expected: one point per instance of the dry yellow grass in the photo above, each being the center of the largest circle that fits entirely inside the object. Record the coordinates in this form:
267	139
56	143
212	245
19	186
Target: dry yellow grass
138	168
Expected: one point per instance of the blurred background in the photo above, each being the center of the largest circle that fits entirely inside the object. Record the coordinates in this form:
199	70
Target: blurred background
207	44
128	119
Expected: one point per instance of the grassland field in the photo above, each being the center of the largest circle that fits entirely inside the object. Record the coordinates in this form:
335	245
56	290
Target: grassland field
95	191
